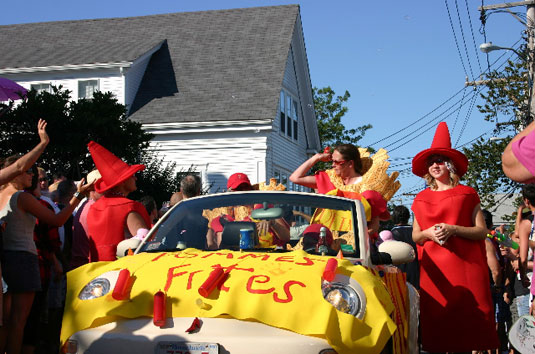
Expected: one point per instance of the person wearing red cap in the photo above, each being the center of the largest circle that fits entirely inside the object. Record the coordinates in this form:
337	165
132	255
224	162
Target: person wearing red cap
113	217
456	309
271	233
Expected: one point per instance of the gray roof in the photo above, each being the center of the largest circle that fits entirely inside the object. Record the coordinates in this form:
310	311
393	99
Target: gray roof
214	65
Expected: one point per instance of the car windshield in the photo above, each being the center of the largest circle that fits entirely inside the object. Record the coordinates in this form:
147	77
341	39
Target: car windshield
259	221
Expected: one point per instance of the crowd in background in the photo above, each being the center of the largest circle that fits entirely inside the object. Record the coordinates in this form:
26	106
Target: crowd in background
465	275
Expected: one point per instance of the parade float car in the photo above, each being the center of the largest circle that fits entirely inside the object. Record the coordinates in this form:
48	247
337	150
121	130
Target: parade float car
169	295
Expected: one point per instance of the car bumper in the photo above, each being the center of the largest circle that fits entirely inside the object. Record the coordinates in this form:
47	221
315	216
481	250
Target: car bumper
232	336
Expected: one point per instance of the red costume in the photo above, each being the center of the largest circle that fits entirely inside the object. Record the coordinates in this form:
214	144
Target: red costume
456	309
107	224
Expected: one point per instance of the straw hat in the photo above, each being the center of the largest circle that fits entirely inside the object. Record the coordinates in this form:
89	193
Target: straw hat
441	146
114	171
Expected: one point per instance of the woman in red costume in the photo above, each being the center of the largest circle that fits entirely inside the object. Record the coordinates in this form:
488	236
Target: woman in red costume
114	218
344	179
456	309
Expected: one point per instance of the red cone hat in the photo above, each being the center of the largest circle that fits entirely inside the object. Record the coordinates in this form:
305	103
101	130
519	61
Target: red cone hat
113	169
441	146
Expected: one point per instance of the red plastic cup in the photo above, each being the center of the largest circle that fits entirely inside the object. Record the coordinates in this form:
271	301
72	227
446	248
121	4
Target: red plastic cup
330	269
215	277
120	291
159	309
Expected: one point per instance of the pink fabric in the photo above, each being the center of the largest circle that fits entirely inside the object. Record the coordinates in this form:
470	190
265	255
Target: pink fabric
524	151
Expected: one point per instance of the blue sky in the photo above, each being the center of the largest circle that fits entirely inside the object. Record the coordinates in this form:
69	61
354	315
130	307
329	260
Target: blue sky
400	60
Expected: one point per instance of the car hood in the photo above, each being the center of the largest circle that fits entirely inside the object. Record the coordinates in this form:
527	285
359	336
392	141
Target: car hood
278	289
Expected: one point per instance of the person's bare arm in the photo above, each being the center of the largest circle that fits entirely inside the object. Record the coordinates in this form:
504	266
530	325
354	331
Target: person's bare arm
134	222
300	177
493	263
26	161
510	164
420	236
523	233
30	204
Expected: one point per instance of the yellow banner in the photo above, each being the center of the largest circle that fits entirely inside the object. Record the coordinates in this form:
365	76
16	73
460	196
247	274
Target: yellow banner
264	286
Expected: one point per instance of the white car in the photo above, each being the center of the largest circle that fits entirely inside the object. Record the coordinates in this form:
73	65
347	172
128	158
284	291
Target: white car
175	296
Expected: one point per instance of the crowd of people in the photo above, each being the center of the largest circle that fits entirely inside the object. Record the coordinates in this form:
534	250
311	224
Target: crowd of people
465	279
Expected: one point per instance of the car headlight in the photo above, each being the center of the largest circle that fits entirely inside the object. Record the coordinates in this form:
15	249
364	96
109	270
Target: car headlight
346	295
99	286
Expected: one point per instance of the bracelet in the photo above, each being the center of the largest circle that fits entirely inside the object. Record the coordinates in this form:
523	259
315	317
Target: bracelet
78	195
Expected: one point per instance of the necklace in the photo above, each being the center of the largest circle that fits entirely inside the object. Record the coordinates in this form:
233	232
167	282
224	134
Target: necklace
119	194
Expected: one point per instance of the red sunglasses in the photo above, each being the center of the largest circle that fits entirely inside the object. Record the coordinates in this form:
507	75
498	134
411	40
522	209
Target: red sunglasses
338	163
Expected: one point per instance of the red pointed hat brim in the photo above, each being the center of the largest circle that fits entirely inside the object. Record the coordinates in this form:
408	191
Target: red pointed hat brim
419	162
101	186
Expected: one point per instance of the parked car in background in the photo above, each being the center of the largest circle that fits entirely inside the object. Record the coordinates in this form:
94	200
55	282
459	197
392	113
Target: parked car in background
173	295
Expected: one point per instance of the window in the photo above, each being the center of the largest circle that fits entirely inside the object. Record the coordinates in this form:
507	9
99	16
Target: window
87	88
42	87
283	113
289	115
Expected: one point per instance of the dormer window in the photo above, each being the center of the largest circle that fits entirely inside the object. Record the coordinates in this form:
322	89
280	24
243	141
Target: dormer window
86	88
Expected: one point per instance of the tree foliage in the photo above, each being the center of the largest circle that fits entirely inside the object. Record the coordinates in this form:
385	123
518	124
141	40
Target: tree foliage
329	112
506	103
330	109
72	124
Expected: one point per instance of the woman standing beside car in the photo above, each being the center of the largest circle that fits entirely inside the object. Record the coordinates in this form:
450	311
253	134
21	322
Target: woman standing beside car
19	258
456	309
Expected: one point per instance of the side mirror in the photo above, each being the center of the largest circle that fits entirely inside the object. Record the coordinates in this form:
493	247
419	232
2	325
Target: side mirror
267	213
125	245
400	252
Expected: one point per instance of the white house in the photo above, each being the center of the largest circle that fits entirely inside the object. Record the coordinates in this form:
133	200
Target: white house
226	91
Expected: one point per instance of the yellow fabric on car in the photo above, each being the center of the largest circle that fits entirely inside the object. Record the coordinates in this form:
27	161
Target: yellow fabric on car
340	220
260	287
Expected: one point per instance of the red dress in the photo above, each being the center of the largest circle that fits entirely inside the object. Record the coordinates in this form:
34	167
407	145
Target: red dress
456	309
106	221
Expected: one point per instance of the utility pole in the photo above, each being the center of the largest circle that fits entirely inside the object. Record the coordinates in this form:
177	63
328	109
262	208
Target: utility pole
530	27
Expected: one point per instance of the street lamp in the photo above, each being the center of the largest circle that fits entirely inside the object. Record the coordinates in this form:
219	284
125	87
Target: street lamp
489	47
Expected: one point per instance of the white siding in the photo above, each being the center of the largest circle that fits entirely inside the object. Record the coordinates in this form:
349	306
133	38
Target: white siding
109	80
286	154
216	155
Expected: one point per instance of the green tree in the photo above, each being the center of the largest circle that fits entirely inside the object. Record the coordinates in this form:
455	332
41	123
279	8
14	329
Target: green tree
329	112
72	124
506	103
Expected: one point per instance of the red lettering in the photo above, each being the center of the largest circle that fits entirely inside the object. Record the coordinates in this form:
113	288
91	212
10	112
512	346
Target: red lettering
228	255
258	291
190	278
309	262
264	257
171	275
234	267
285	259
159	256
331	220
186	255
289	296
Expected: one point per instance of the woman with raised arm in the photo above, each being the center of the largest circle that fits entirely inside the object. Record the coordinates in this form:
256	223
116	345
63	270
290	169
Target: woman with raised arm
19	210
26	161
456	309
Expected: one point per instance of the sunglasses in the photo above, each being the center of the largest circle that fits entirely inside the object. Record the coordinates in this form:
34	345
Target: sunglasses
338	163
43	179
30	172
439	160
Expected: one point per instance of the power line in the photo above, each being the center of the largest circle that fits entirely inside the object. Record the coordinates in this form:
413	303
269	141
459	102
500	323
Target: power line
473	37
455	37
464	41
